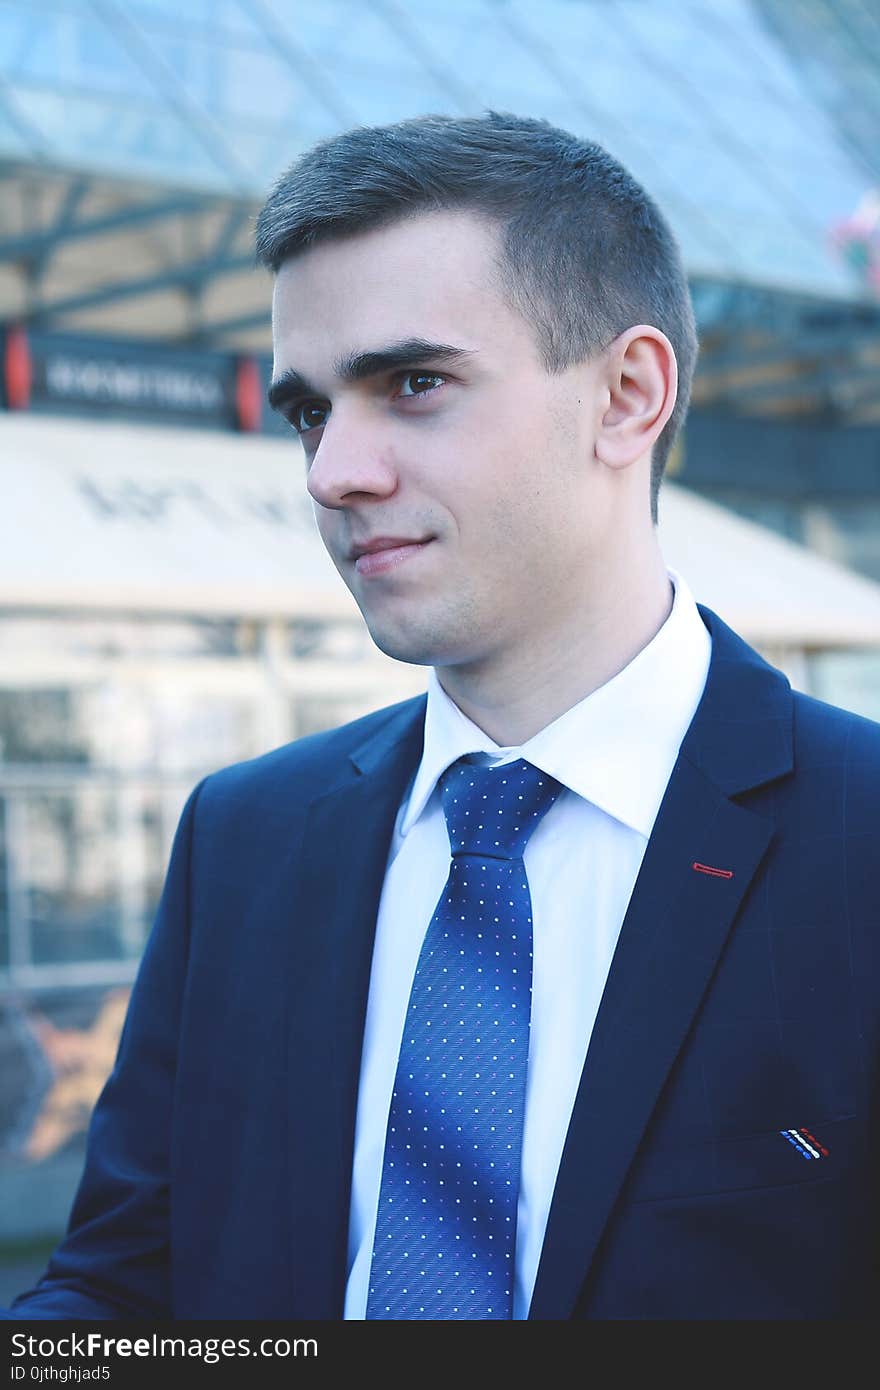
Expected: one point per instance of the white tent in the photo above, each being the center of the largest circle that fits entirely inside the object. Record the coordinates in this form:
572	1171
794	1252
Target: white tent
136	518
126	517
771	590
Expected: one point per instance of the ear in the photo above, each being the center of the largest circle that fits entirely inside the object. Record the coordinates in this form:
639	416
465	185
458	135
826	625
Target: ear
641	383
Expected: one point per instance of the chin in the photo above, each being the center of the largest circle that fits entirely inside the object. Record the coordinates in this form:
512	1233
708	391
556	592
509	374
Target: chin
426	632
423	648
400	648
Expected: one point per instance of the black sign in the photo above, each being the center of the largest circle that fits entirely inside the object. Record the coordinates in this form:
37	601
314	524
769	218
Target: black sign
54	373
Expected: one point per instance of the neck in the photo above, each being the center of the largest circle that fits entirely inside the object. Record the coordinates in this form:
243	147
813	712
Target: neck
521	689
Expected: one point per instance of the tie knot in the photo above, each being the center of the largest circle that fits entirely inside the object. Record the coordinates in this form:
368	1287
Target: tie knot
492	811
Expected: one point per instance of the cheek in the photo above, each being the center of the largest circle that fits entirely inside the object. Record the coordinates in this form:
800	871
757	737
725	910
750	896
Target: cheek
513	520
328	523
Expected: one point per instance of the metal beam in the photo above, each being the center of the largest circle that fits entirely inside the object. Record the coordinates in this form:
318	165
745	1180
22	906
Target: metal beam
729	303
70	204
826	390
39	242
62	222
207	332
838	353
181	278
232	225
802	349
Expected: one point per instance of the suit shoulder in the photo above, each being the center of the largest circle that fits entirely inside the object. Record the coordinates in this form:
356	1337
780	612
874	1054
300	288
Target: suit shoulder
829	731
309	763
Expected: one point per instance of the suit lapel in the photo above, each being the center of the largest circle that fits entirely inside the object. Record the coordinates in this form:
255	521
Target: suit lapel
344	852
670	942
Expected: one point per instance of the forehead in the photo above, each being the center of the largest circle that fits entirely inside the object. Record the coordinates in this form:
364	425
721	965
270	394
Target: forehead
432	276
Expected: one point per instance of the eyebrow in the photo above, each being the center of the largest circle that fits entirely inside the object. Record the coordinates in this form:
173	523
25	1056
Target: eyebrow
358	366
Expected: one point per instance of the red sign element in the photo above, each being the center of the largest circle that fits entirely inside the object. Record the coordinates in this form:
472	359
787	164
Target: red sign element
248	395
17	369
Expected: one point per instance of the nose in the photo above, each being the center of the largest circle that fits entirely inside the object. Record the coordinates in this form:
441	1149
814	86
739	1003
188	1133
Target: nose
351	462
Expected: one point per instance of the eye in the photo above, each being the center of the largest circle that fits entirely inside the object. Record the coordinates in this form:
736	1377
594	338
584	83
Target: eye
419	383
310	415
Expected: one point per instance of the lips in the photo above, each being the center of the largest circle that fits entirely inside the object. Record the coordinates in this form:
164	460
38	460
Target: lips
384	543
387	555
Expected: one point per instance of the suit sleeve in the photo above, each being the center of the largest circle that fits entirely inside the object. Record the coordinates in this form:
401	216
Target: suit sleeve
114	1261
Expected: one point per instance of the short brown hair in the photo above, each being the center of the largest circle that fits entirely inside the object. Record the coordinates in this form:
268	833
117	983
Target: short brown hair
586	253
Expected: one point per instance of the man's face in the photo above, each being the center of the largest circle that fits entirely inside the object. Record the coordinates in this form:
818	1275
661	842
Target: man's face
426	416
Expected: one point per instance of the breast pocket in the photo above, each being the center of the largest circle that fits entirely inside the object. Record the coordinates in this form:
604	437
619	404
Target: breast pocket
791	1154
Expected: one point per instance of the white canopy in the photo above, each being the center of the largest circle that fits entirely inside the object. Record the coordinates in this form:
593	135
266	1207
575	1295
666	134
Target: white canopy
771	590
126	517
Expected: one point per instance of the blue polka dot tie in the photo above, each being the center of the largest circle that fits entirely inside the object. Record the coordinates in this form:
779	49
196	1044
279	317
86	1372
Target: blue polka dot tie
446	1224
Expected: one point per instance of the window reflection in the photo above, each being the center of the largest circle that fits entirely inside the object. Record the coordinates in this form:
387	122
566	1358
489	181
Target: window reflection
42	726
56	1051
69	873
92	862
106	724
112	637
4	891
313	716
323	641
120	724
850	679
195	731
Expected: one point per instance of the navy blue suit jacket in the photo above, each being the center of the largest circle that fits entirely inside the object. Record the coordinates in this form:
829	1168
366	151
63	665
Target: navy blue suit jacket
741	1005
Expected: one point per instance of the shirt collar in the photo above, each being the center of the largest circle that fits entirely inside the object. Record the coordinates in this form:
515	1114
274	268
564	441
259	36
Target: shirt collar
616	748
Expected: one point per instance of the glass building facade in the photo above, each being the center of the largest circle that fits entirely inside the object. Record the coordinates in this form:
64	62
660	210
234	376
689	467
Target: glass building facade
713	106
106	724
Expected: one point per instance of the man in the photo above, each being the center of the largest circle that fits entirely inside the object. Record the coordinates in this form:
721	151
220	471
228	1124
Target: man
534	997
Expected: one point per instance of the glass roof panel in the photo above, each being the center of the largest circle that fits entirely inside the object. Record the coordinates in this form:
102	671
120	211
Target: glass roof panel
836	46
225	16
702	249
233	81
95	133
67	45
13	141
713	106
478	50
364	52
772	258
267	154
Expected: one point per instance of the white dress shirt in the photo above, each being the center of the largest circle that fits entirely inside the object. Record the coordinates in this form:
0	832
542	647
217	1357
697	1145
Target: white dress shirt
613	752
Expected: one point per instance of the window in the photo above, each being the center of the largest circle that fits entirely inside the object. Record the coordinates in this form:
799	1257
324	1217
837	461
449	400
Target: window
321	641
4	891
42	726
313	715
69	875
